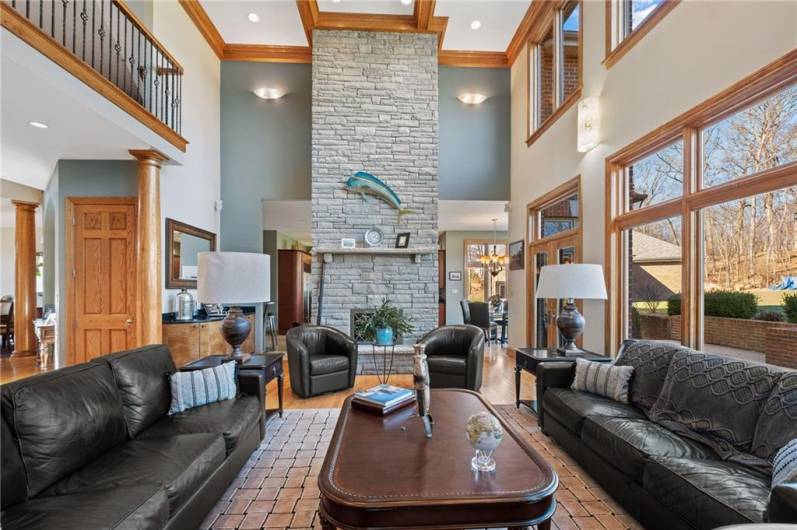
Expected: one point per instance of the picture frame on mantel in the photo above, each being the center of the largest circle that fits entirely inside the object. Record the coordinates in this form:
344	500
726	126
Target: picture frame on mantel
403	240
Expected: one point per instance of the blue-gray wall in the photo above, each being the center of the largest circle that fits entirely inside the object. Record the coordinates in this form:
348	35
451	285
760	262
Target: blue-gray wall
265	146
474	139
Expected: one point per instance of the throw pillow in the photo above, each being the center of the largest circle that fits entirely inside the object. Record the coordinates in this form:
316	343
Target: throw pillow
200	387
784	467
604	379
777	423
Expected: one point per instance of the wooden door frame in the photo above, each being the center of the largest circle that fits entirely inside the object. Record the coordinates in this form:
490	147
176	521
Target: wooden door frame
69	322
533	208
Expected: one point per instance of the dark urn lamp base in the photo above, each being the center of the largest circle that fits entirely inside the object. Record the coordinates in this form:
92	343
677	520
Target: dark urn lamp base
571	325
235	327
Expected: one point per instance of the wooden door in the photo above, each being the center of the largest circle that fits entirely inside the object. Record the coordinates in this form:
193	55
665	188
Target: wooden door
100	276
558	251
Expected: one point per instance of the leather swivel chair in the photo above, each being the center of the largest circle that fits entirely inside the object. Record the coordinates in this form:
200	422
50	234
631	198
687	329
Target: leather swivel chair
320	360
455	355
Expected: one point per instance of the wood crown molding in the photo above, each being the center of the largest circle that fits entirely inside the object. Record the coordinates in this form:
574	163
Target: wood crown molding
473	59
268	53
423	10
22	28
148	155
308	12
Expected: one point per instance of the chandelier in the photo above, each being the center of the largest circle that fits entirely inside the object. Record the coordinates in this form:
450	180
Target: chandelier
491	260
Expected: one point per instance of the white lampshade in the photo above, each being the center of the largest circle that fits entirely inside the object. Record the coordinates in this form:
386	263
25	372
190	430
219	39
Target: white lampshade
575	280
233	278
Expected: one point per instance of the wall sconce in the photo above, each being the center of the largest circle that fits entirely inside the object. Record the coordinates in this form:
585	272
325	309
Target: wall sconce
588	124
268	93
472	98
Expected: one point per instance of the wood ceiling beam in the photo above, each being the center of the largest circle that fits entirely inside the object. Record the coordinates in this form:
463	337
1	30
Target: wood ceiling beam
366	22
205	26
268	53
473	59
438	25
308	12
423	10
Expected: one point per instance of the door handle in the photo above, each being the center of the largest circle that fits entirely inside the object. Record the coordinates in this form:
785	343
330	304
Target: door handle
129	321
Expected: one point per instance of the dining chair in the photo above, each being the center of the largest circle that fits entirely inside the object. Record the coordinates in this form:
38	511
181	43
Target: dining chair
480	317
465	305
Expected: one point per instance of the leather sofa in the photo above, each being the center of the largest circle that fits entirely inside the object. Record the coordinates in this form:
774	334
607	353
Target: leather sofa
666	475
91	446
455	355
321	359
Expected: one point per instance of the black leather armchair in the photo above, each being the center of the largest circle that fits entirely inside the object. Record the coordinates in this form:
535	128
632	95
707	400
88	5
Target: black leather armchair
320	360
455	355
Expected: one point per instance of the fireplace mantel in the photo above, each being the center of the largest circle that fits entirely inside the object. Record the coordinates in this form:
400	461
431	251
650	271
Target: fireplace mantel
415	253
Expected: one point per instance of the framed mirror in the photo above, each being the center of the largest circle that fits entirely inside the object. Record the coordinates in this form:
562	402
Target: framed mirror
183	243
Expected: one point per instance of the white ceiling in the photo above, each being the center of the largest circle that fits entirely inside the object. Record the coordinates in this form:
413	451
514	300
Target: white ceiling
76	131
280	23
293	217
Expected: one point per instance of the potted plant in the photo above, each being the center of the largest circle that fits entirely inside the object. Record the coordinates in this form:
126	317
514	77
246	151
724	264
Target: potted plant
386	323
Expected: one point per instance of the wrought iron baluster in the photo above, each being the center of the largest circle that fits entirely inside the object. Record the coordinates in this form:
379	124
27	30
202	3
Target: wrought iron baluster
124	75
41	13
110	43
93	22
27	9
118	48
52	19
74	27
84	16
152	80
101	32
63	26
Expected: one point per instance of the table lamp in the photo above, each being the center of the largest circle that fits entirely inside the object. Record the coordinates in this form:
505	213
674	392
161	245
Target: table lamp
233	278
571	281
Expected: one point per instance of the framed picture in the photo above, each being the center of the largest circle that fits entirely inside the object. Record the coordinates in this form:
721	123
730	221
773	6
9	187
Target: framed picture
454	276
516	261
403	240
347	242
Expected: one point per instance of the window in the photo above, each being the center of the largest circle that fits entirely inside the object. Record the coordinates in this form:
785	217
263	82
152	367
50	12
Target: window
703	241
560	216
554	66
480	283
627	21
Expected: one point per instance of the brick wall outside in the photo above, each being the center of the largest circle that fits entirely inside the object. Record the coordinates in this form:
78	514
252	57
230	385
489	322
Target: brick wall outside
546	82
780	345
375	109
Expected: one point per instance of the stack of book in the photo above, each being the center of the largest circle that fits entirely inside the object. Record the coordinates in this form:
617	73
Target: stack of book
384	399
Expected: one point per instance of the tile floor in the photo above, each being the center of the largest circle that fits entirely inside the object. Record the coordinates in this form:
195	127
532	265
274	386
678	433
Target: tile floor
277	487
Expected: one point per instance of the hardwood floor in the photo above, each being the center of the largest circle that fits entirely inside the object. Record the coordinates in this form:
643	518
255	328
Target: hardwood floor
498	380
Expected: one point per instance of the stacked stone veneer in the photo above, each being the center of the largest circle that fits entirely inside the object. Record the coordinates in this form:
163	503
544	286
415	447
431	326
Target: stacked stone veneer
375	110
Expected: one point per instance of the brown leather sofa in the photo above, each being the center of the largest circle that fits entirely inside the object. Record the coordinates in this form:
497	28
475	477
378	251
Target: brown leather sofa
91	446
455	355
661	459
321	359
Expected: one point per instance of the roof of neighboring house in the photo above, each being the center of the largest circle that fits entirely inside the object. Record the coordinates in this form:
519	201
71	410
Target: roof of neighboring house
652	249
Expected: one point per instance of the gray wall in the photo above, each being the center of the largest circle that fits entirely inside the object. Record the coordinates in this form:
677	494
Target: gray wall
78	178
455	261
474	139
265	146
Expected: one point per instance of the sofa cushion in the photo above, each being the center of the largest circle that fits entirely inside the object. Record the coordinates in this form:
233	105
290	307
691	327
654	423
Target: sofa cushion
571	407
180	463
140	507
63	420
142	377
650	360
13	488
627	443
445	364
777	423
707	493
716	400
328	364
232	419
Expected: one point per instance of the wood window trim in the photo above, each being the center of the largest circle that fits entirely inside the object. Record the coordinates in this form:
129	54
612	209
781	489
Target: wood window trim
564	190
613	55
536	34
748	91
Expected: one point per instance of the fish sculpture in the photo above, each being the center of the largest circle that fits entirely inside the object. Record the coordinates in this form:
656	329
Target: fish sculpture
365	183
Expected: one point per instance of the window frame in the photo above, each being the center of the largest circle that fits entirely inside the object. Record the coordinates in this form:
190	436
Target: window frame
552	19
770	79
618	43
487	244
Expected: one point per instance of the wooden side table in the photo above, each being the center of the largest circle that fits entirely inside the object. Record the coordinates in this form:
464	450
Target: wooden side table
527	359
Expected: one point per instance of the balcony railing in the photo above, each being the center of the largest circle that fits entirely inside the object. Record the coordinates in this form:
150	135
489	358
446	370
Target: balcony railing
107	37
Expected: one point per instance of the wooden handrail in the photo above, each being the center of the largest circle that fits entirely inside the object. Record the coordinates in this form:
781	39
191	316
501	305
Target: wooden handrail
122	5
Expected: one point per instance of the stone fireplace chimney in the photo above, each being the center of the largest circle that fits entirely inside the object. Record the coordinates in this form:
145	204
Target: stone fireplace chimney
375	110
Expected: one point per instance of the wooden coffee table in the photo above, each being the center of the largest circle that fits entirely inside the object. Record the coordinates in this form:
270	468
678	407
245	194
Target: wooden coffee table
382	472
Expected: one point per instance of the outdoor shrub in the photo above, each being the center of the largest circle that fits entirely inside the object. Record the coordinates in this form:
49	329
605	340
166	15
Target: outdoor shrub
790	307
730	304
770	316
674	305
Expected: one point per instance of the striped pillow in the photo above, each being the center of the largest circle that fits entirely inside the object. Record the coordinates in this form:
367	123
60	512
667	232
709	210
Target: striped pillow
200	387
604	379
784	466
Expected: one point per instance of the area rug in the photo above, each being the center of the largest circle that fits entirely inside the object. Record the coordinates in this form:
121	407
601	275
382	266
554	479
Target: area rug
277	488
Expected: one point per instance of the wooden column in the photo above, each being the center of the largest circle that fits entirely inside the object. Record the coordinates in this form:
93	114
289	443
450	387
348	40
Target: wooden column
148	246
25	278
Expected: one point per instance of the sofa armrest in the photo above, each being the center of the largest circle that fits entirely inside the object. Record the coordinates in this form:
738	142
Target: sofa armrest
783	503
552	375
253	383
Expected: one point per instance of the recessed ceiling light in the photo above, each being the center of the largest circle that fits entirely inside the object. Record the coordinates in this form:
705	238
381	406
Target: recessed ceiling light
336	1
475	24
406	2
472	98
38	124
269	93
253	17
